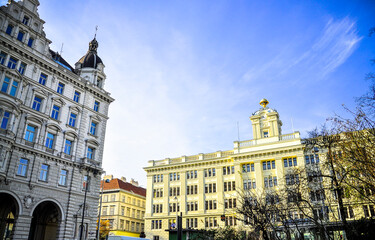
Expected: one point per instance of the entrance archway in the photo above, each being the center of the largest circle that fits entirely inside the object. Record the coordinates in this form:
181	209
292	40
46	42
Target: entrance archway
8	215
46	221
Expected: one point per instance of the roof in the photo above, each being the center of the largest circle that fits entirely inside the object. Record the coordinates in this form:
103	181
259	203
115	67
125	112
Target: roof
91	58
119	184
61	61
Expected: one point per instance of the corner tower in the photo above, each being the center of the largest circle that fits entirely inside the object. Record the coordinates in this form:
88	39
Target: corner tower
266	122
90	67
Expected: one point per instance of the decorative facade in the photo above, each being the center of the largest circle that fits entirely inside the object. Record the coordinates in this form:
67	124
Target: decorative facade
123	206
53	121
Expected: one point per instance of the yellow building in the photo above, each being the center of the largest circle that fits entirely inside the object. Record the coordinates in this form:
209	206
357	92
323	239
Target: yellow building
123	205
205	187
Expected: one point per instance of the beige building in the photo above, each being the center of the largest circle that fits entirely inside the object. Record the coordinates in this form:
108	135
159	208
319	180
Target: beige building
123	205
205	186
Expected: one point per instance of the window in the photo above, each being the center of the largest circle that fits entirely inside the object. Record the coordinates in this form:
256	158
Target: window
43	172
76	96
60	88
22	167
249	184
265	134
312	159
30	42
86	183
62	179
290	162
90	153
25	20
174	176
5	120
96	106
9	29
30	133
55	112
43	79
20	36
3	56
49	140
93	128
37	103
209	172
22	68
268	164
12	63
72	120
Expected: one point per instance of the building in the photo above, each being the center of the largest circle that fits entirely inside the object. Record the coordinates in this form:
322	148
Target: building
123	205
53	121
205	186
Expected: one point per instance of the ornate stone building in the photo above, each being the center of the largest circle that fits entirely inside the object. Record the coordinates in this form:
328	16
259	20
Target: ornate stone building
53	120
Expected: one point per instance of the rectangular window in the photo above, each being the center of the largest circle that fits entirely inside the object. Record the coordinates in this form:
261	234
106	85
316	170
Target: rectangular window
22	68
37	103
13	89
96	106
90	153
3	56
68	147
49	140
60	88
9	29
25	20
93	128
5	120
30	133
43	79
20	36
43	172
55	112
72	120
30	42
76	96
22	167
5	86
12	63
86	183
62	179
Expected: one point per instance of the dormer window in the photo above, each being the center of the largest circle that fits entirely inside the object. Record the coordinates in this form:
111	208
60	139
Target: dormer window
25	20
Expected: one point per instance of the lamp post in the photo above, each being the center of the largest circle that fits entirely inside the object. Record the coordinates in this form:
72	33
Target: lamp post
84	206
100	207
178	221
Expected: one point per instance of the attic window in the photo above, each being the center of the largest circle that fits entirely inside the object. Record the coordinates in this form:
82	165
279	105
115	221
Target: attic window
25	20
265	134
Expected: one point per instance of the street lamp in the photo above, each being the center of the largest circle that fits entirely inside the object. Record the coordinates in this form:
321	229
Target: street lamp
100	205
178	221
86	184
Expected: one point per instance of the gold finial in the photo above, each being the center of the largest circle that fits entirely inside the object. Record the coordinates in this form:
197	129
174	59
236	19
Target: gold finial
263	103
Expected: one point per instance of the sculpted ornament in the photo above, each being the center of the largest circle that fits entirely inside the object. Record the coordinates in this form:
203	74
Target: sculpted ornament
27	201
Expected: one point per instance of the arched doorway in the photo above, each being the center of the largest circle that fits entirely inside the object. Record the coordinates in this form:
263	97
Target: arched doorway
8	215
46	221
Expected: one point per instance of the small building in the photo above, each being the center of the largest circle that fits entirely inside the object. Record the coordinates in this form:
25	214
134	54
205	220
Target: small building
123	205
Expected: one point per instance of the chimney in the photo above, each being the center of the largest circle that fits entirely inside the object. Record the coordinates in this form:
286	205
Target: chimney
135	183
123	179
108	177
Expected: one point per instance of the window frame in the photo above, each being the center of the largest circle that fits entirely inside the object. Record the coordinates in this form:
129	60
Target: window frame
22	168
44	172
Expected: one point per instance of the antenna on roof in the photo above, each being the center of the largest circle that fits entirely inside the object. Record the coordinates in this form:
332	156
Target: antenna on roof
62	46
238	130
96	30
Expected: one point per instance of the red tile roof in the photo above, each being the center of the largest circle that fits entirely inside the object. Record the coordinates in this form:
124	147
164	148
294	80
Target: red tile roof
119	184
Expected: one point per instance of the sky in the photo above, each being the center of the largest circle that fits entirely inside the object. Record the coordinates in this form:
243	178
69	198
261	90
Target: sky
187	75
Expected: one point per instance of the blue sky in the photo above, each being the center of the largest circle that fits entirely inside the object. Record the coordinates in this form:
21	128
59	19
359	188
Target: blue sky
183	73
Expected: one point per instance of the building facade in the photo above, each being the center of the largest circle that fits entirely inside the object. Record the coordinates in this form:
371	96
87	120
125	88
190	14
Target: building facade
53	121
123	206
204	187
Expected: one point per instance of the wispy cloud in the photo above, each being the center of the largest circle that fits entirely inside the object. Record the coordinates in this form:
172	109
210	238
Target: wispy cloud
334	45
